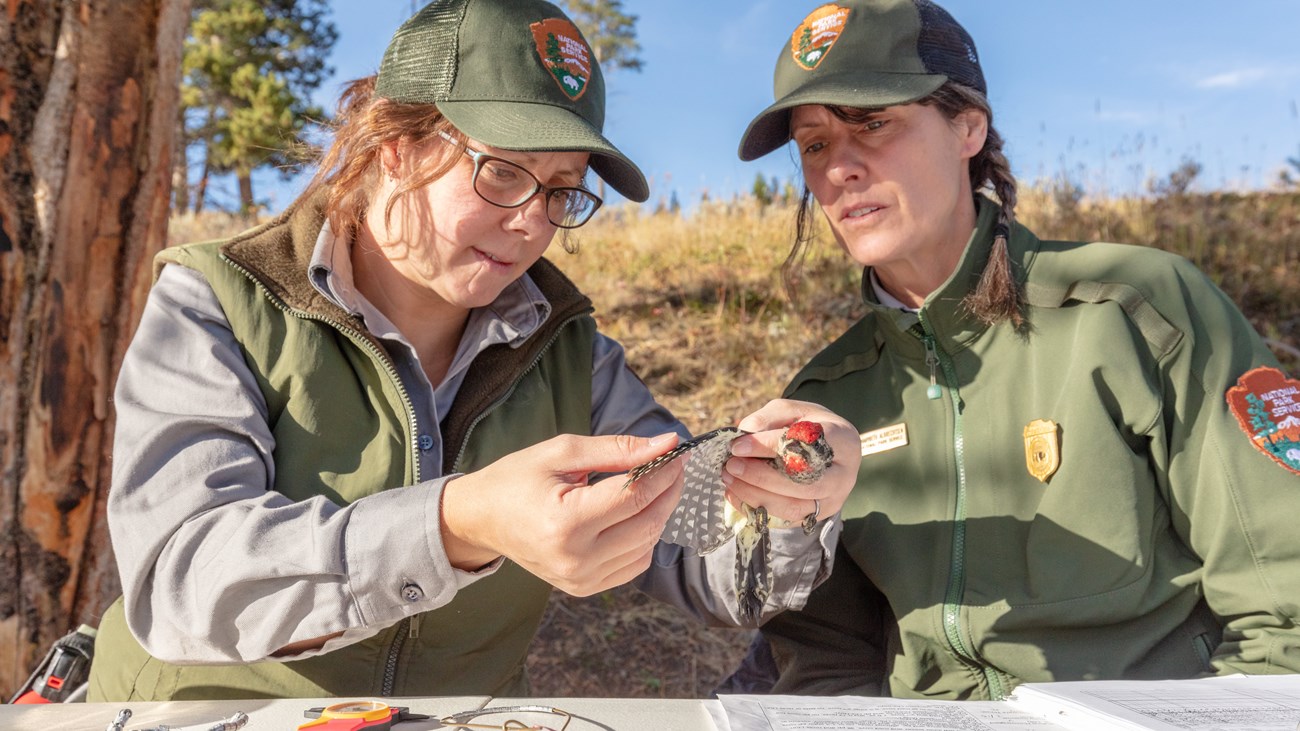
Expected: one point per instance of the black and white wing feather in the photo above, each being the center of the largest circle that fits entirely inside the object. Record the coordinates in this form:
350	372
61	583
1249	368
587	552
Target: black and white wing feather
698	522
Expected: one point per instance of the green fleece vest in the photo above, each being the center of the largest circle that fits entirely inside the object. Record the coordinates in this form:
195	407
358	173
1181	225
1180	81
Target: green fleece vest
344	428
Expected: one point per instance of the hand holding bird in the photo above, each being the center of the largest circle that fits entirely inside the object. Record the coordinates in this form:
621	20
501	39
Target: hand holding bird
705	519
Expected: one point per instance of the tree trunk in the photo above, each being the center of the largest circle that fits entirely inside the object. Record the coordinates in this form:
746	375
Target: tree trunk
201	189
88	102
180	169
247	206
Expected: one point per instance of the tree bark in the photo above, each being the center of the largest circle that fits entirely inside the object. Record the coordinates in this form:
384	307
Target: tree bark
88	101
201	189
247	206
180	170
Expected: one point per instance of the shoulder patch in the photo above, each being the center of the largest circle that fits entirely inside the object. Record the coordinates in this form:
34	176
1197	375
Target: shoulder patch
565	53
813	39
1267	406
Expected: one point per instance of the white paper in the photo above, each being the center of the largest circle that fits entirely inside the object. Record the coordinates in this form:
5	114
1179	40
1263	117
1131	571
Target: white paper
717	714
1237	703
845	713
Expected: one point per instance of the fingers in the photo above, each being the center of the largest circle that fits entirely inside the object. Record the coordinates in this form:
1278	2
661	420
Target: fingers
783	498
791	508
646	524
619	453
756	483
780	413
595	554
619	572
617	501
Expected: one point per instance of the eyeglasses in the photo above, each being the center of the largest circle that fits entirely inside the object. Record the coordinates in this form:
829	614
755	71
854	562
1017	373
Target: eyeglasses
461	720
509	185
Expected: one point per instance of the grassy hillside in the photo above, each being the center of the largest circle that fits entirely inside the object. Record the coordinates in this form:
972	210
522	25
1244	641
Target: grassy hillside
699	305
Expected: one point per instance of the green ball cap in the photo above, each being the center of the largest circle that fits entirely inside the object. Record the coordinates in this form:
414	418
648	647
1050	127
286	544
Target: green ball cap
513	74
864	54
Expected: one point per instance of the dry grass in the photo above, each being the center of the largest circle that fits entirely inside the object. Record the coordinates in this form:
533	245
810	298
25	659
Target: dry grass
698	304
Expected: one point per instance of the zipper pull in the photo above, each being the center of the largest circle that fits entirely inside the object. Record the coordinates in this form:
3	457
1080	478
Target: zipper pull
932	359
415	626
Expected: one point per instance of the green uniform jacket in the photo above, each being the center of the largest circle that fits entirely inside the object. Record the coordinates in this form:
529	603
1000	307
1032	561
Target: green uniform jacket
357	440
1164	545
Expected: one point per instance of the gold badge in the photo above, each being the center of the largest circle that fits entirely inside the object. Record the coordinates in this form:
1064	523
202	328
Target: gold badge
1042	448
883	440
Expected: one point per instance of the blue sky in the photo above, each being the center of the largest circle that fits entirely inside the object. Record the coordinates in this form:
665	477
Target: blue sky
1110	92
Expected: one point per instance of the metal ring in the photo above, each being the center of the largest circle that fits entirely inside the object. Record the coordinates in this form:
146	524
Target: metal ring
810	520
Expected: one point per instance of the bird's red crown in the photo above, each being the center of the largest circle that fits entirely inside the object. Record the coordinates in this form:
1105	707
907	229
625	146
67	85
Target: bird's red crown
805	431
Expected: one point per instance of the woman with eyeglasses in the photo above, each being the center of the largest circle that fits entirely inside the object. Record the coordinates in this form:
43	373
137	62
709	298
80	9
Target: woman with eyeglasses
357	446
1077	456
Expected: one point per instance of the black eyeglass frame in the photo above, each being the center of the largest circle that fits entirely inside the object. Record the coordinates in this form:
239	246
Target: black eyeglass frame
480	158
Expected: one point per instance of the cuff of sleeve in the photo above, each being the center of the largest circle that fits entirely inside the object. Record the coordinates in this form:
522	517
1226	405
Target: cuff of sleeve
396	563
813	553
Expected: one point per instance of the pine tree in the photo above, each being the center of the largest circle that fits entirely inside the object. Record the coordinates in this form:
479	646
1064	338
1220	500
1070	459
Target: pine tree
553	50
610	31
612	35
763	192
250	68
1260	419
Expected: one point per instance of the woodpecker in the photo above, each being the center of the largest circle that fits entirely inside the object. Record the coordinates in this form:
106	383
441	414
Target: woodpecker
703	519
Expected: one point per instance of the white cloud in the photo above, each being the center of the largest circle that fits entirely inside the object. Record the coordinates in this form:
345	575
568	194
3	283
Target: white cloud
1242	77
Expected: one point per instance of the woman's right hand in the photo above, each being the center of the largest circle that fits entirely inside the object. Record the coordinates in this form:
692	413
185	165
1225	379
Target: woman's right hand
536	508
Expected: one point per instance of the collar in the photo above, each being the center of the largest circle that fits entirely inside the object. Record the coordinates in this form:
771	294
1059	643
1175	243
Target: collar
942	312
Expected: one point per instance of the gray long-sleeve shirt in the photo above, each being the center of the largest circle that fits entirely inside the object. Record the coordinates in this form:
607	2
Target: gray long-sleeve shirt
199	533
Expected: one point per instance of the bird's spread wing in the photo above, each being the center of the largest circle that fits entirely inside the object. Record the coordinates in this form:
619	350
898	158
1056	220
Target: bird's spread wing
697	522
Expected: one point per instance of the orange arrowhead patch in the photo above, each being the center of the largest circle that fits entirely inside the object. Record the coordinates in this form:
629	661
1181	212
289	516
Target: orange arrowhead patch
565	54
813	39
1267	406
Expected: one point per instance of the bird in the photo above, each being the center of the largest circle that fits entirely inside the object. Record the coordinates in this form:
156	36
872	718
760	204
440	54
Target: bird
704	520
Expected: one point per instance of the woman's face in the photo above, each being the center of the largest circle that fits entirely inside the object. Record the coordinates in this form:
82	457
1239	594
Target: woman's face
449	240
894	187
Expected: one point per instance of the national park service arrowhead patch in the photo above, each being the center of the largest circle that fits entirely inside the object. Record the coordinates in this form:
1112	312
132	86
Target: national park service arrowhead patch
565	54
813	39
1267	406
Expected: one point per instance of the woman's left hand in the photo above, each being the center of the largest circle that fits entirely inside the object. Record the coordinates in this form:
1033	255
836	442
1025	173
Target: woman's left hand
751	479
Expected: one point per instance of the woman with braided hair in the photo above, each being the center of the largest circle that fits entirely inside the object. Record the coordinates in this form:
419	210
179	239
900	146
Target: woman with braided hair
1075	456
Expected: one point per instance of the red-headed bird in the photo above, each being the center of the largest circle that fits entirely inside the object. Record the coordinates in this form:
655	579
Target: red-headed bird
703	519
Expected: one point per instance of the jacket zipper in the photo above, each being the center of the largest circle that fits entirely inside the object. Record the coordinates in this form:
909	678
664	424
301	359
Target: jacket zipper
405	627
935	358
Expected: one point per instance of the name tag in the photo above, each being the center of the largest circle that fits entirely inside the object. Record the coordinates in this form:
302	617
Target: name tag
883	440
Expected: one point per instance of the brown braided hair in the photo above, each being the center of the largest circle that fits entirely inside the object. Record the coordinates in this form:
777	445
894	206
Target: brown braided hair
997	296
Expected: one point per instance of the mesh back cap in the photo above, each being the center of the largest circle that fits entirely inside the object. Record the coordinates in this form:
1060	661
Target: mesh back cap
514	74
865	54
